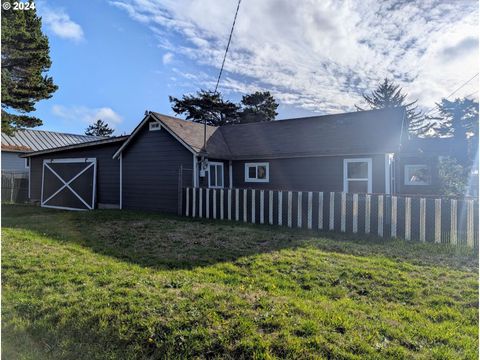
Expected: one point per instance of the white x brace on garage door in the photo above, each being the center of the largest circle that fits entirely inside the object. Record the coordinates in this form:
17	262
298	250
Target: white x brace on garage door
69	183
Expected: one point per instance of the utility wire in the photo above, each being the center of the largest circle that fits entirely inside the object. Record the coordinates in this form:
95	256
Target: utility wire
220	73
454	92
228	45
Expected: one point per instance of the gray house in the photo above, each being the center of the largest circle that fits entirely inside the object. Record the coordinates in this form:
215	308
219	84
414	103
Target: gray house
28	140
358	152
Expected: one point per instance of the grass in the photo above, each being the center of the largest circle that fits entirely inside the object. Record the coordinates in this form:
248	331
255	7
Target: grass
132	285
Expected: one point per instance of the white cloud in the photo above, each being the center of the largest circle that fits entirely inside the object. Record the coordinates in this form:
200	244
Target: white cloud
319	54
167	58
59	22
87	115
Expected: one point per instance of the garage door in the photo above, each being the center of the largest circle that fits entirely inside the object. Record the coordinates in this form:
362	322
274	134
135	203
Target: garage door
69	183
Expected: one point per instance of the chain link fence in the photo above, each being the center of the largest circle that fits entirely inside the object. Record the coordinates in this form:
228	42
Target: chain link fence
14	187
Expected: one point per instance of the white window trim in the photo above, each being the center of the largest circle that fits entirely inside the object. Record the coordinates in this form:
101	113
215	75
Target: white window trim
256	165
155	126
27	163
345	173
406	178
223	174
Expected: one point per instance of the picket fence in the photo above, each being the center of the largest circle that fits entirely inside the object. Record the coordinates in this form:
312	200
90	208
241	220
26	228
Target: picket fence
438	220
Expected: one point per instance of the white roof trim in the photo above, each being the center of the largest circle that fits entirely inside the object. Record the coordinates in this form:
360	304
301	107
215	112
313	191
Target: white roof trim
140	126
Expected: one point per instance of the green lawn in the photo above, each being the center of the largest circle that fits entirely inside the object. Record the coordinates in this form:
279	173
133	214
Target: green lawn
128	285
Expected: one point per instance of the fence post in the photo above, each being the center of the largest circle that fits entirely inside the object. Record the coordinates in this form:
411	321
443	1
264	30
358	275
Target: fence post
289	209
200	202
214	203
470	242
320	210
394	217
187	201
423	210
453	221
229	203
280	207
253	206
262	206
380	215
331	218
309	210
368	209
355	214
12	184
194	201
438	220
270	207
343	213
222	204
237	205
299	209
244	205
408	218
207	203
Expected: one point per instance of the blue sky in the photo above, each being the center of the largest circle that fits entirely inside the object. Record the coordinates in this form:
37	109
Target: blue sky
115	59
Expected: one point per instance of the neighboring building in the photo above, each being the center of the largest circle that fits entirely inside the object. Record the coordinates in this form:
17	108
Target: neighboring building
28	140
362	152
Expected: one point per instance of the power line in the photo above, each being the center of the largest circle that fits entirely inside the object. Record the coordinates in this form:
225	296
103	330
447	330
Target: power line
221	70
454	92
437	111
228	45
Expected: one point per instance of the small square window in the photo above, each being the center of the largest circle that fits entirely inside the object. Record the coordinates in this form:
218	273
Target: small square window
417	175
257	172
155	126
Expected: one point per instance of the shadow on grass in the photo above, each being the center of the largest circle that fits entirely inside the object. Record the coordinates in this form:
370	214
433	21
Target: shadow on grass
164	241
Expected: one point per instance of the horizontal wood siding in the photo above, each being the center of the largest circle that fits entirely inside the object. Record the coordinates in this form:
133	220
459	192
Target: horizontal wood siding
108	171
151	165
13	162
310	174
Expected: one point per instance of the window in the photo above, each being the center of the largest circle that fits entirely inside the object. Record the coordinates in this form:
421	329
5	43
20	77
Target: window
257	172
155	126
357	175
215	175
27	163
417	175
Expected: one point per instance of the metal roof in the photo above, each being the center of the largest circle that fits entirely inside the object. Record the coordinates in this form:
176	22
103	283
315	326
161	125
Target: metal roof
27	140
99	141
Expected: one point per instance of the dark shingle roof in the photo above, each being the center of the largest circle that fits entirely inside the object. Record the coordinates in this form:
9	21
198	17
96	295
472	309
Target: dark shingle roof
361	132
26	140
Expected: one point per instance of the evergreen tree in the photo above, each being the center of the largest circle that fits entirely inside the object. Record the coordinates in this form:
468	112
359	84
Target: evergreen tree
459	119
25	59
99	128
389	95
256	107
206	106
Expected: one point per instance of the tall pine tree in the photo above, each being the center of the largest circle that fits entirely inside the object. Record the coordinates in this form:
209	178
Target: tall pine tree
99	128
389	95
25	59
